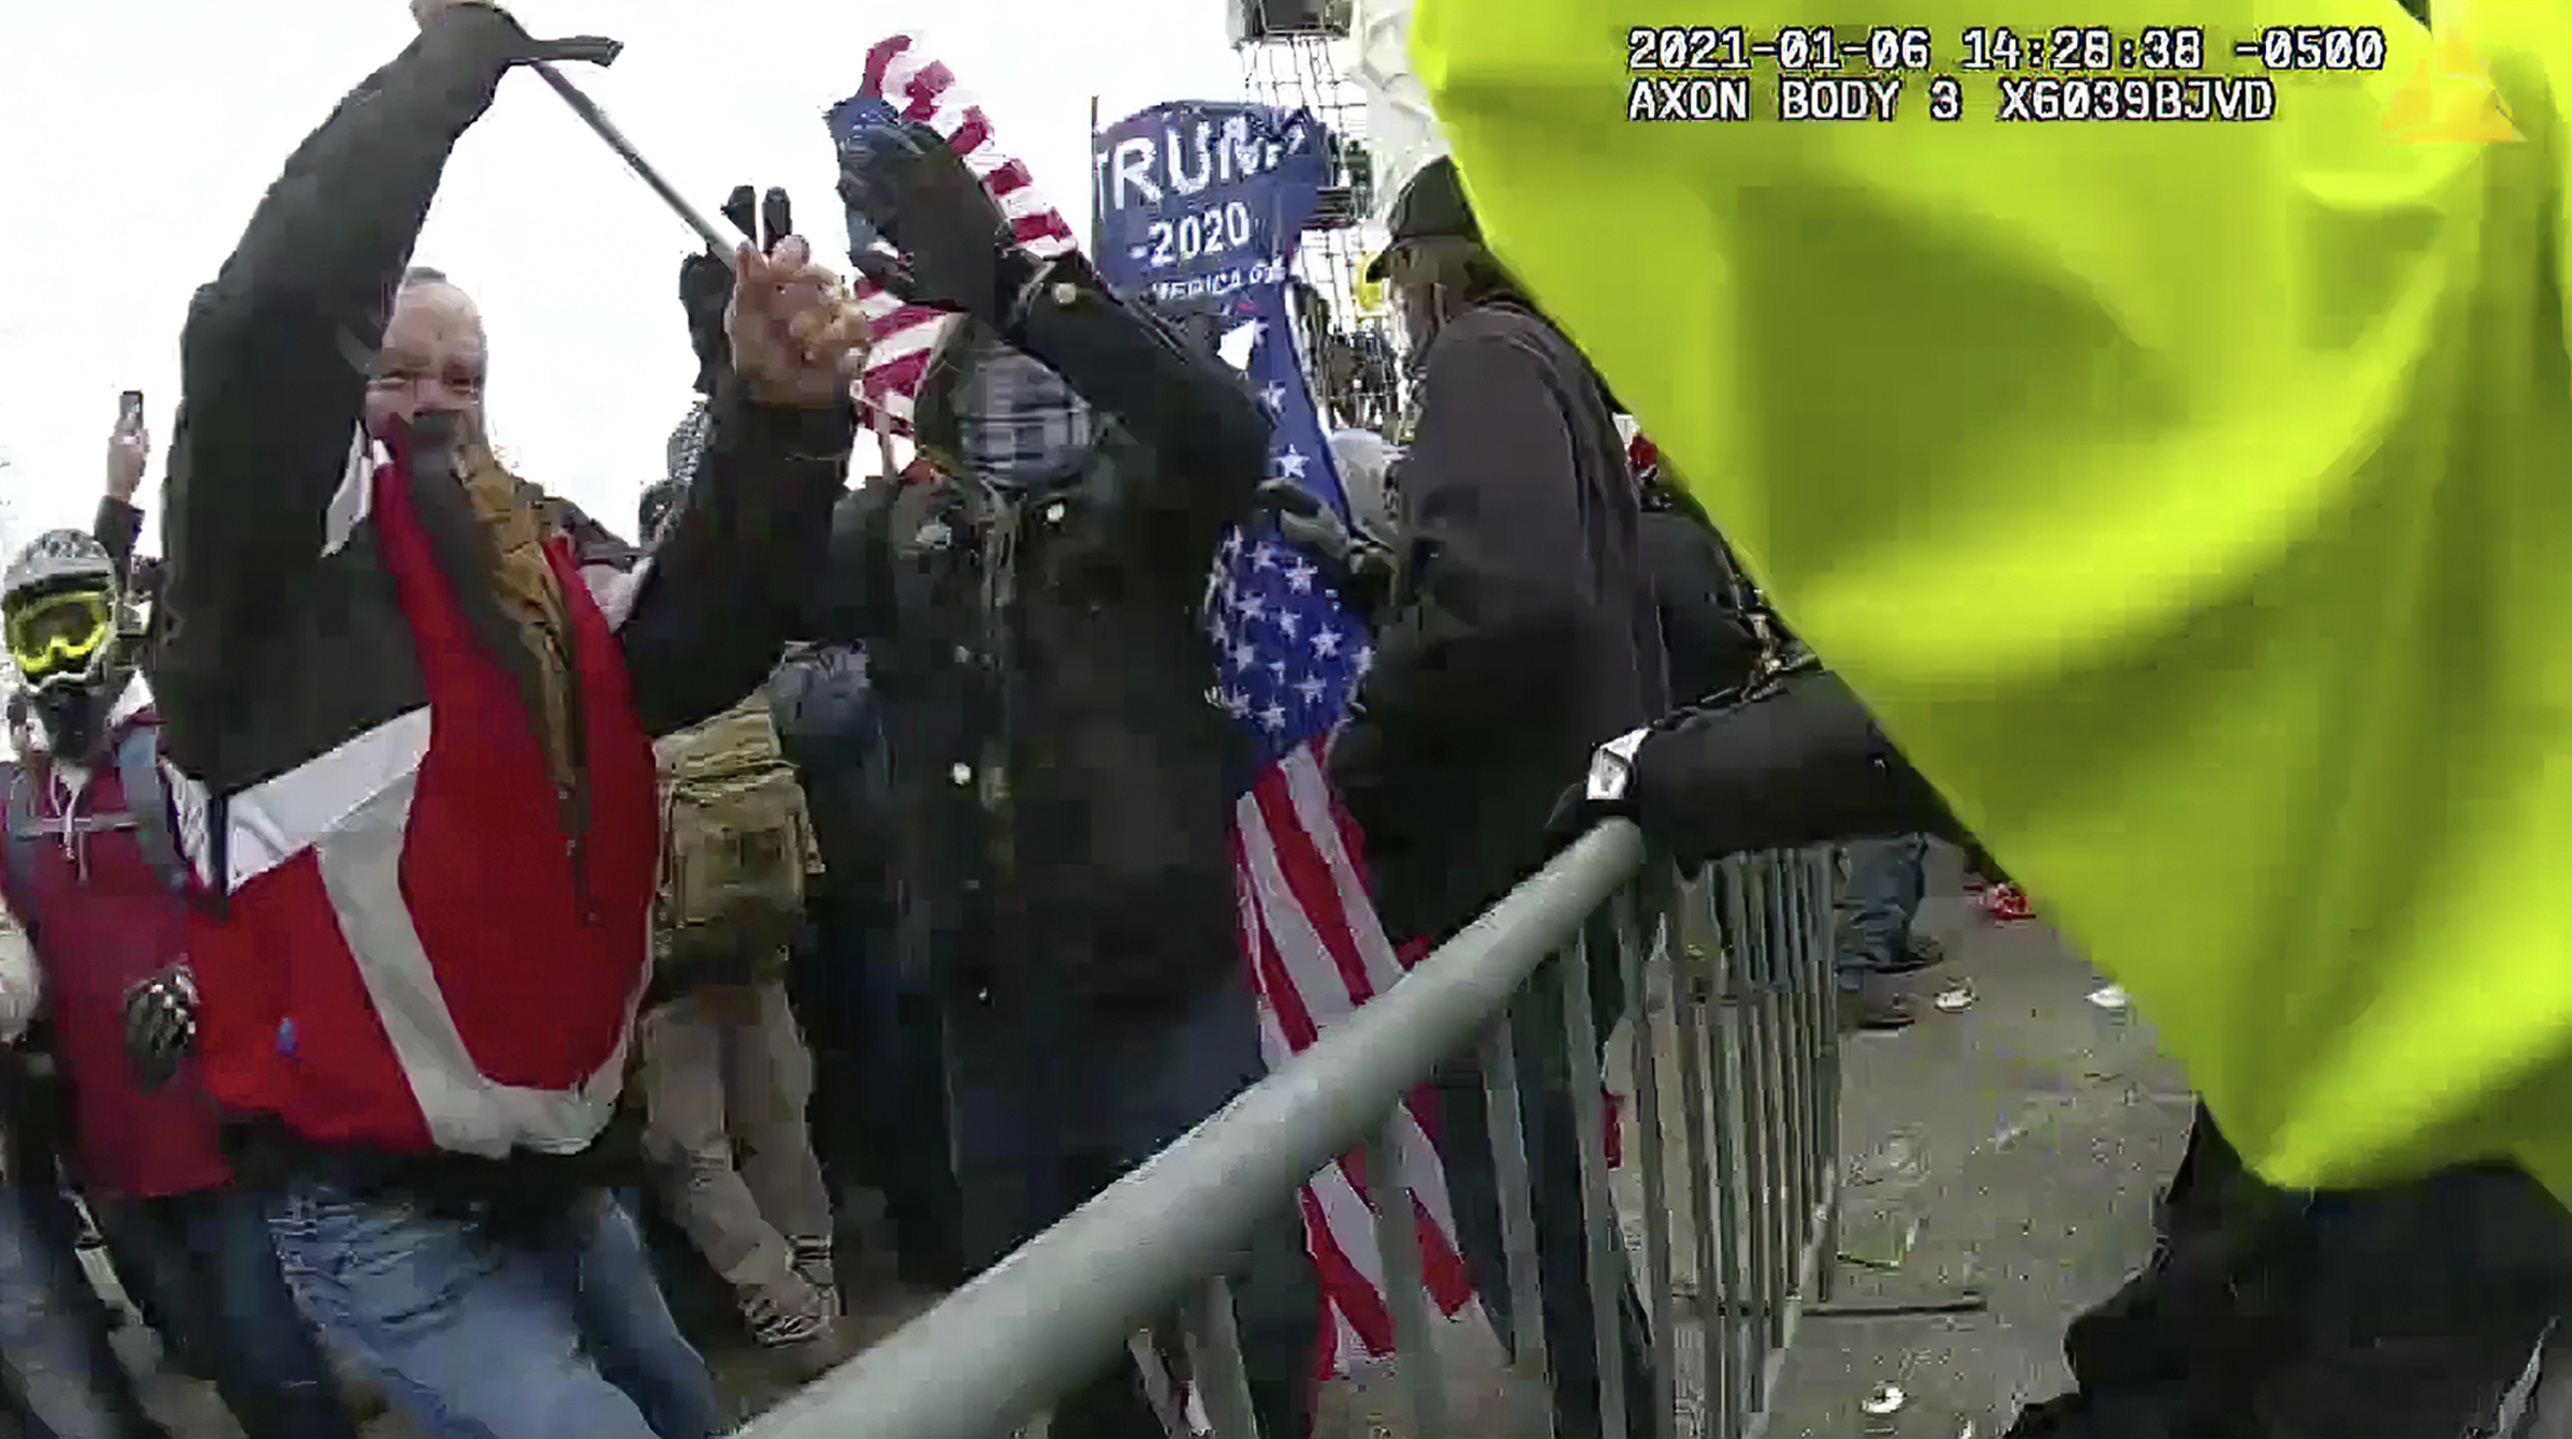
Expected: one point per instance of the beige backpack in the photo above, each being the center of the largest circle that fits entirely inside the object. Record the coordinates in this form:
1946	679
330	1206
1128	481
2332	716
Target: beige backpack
737	841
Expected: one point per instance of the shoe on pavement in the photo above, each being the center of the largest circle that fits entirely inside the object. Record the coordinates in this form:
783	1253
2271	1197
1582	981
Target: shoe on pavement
1919	952
1874	1007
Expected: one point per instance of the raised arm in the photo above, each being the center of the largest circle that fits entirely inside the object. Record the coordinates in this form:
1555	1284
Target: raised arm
1202	423
275	353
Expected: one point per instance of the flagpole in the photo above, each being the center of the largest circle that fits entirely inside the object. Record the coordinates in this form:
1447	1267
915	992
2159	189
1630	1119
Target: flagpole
597	120
1097	215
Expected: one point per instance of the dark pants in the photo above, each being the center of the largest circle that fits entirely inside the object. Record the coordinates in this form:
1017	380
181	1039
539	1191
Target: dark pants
879	1054
209	1266
1051	1103
1547	1119
37	1134
1877	903
2403	1312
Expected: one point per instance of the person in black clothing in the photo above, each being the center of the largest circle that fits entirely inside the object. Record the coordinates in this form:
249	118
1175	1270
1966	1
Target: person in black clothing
877	1044
1029	604
1523	595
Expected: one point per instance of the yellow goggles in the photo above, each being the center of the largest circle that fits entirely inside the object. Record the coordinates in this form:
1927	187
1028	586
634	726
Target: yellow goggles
55	633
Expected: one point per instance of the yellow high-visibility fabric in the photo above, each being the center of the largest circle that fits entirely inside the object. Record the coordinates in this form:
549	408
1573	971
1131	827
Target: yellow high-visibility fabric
2192	502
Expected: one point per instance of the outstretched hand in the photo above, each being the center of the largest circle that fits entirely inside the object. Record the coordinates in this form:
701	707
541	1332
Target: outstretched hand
797	336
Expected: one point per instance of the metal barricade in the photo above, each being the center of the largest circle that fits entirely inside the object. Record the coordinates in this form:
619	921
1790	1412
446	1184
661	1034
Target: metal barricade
1726	981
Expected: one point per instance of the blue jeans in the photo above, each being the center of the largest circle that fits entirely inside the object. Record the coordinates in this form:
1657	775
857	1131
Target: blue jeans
481	1340
1877	902
210	1265
1050	1102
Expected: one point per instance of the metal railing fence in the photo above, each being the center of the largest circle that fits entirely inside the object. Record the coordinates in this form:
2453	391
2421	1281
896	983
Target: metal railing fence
1728	992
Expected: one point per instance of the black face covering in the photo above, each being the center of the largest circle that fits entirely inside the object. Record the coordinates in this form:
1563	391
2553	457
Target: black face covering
74	719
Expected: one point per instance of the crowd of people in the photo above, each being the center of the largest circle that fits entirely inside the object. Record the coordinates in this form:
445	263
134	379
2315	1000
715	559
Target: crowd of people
446	931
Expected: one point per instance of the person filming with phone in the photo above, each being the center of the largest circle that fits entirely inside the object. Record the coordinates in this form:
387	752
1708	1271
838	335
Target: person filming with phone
120	520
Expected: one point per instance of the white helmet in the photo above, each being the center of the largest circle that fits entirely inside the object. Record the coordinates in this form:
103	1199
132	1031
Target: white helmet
58	604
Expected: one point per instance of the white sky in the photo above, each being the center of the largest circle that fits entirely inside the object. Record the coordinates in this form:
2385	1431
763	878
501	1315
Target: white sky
136	137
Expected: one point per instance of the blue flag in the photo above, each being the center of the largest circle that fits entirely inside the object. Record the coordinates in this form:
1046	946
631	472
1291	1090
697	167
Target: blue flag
1208	199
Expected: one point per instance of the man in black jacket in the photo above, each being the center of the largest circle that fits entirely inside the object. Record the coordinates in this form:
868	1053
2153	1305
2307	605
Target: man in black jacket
1029	602
1525	598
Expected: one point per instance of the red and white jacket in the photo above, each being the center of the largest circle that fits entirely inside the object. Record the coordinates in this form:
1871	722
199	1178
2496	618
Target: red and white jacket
414	942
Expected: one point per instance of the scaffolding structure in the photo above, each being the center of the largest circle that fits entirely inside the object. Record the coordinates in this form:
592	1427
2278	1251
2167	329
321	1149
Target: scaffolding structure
1350	340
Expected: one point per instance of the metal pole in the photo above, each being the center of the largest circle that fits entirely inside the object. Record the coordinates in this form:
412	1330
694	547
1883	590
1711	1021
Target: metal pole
589	112
1397	1240
1098	205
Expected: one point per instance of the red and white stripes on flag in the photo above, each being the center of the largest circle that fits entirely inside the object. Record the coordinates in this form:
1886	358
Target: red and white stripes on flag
903	336
1316	952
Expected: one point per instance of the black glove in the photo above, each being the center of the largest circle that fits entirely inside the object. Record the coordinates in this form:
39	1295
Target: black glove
957	252
1366	569
513	44
160	1024
705	278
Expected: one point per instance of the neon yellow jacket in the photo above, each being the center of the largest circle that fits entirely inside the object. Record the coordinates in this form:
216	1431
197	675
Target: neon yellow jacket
2193	503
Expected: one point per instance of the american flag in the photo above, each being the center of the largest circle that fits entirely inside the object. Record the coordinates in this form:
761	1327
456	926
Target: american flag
1290	654
901	75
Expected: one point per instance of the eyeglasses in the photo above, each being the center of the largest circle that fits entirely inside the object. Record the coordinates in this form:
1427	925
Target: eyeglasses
57	634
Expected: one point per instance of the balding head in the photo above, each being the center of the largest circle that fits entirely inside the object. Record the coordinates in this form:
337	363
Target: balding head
433	359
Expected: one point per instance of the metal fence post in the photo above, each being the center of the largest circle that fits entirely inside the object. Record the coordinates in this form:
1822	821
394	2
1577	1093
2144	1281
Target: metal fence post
1606	1264
1397	1238
1696	999
1823	866
1656	1212
1214	1361
1517	1221
1759	1130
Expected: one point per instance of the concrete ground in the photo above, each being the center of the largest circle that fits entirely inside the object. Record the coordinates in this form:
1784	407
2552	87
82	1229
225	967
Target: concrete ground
2013	1149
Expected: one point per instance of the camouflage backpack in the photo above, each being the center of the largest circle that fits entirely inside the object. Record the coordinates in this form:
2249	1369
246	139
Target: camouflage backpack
736	840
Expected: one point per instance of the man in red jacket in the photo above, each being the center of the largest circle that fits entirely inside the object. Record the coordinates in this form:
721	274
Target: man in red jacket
411	701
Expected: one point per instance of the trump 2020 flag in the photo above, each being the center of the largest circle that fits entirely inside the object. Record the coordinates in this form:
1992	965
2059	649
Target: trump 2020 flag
1207	200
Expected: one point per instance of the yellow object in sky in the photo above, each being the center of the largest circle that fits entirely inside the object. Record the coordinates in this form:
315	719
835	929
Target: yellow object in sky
2192	501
